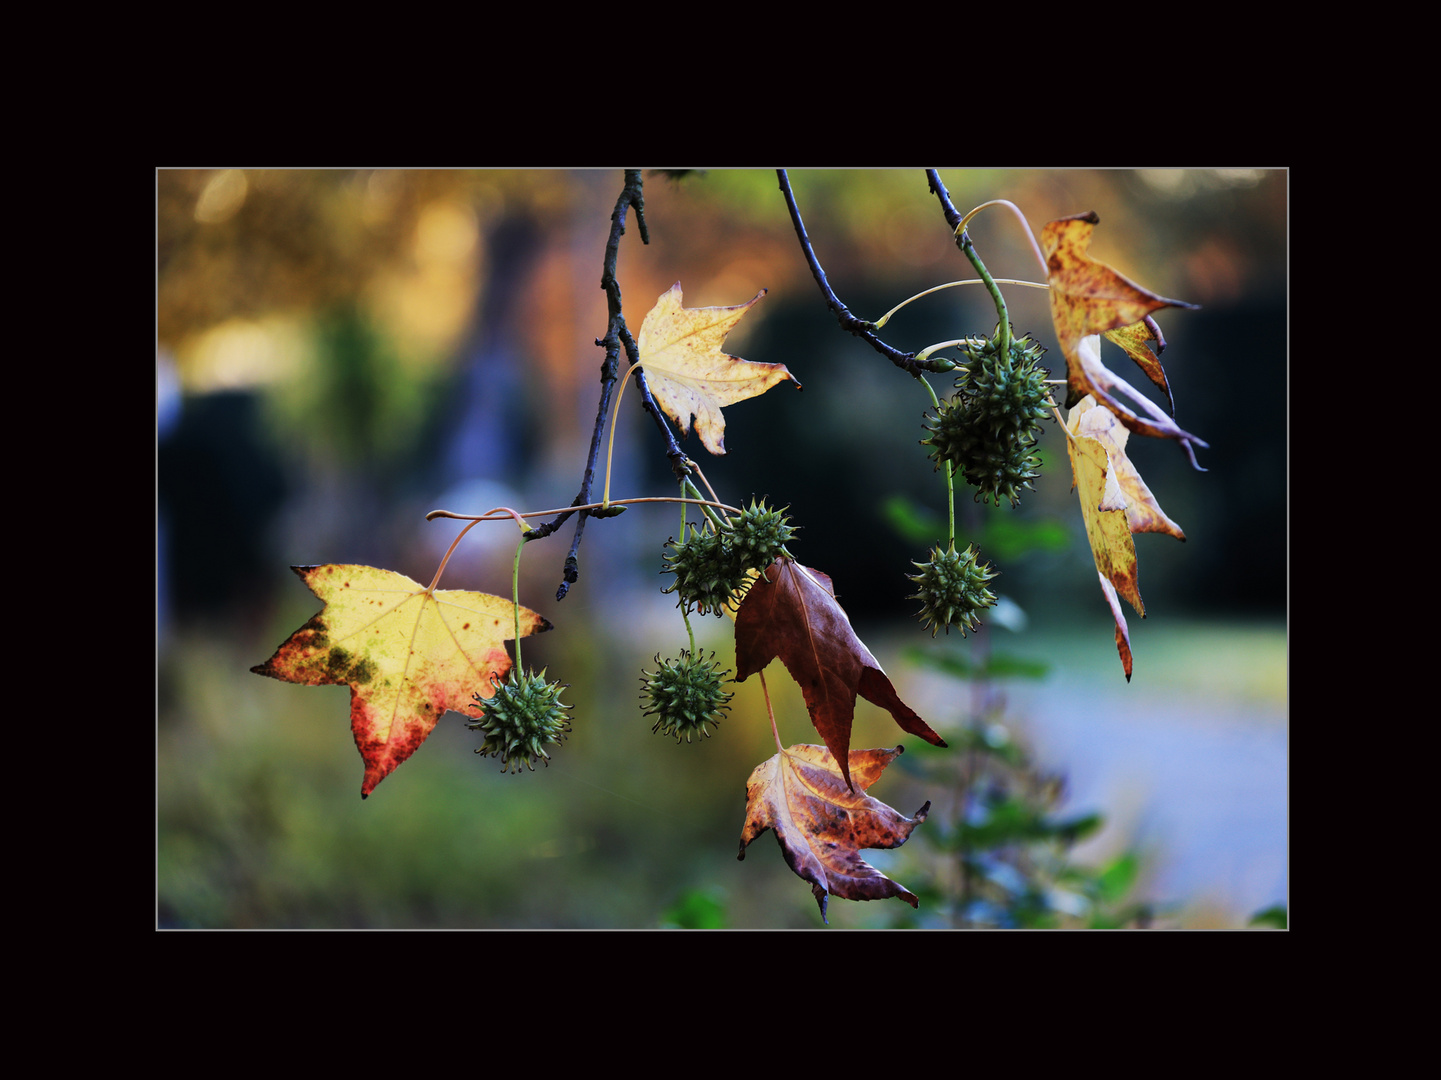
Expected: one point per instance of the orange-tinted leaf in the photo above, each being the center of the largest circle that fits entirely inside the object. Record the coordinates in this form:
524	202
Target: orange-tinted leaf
1088	298
792	613
688	374
407	654
1123	632
1115	502
822	822
1143	343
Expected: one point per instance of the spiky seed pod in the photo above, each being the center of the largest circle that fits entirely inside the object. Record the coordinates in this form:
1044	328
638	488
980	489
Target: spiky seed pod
995	467
758	536
705	570
1008	396
952	589
684	695
522	718
987	430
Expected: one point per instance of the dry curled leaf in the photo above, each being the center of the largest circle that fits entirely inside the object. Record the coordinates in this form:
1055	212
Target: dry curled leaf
822	823
407	653
1089	298
1115	503
792	612
688	374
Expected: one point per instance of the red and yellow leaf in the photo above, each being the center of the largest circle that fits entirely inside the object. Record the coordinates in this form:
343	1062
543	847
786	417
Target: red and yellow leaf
407	653
688	374
791	612
823	822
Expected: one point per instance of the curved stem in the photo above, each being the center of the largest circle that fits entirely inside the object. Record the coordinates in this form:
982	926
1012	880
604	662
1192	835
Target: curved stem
710	514
684	613
515	596
969	248
704	481
449	552
610	447
500	514
950	477
765	690
925	354
951	285
1035	247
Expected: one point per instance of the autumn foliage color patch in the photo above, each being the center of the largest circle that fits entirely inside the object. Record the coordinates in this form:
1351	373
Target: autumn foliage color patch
410	653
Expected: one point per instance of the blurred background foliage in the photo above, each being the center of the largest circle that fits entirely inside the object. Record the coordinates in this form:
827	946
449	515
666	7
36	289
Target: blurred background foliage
339	352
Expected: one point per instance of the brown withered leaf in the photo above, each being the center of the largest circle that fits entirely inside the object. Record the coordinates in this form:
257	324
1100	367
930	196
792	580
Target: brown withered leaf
689	375
791	612
1089	298
822	822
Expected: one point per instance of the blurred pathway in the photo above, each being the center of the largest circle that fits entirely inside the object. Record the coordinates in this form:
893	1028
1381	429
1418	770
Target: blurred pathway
1188	762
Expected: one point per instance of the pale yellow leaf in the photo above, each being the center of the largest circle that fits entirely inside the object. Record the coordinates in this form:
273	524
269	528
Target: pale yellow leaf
688	374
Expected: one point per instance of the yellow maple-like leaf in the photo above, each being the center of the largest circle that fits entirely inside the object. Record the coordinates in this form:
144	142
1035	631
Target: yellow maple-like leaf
1089	298
1115	503
688	374
822	825
407	653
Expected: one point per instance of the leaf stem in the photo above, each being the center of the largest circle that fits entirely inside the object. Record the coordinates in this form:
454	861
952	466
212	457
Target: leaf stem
501	513
765	690
710	515
610	446
950	475
968	248
684	613
925	354
951	285
449	552
1035	247
515	597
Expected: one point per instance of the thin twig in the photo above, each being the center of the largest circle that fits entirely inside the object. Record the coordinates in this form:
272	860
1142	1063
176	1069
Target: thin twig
632	195
864	330
953	216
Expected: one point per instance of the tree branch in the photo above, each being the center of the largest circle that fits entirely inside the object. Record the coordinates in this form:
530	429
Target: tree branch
953	217
632	195
862	329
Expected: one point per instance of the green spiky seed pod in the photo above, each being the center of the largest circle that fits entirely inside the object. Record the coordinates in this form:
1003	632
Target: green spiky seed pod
522	718
987	430
758	536
684	695
995	467
1009	398
952	589
705	570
